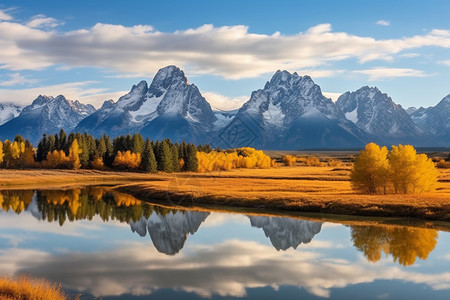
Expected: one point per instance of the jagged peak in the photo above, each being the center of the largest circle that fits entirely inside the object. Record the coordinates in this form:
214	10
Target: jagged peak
108	104
287	79
141	85
42	99
168	74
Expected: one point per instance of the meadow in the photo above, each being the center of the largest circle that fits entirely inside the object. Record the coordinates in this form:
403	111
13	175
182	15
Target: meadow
295	188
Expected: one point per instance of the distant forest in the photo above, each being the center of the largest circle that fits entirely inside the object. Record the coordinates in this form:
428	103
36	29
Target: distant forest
126	152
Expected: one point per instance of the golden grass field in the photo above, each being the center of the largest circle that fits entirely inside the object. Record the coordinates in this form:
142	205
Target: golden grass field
27	288
299	188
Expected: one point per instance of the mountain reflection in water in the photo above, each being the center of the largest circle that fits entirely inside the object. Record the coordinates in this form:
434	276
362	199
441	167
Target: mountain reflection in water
169	228
88	239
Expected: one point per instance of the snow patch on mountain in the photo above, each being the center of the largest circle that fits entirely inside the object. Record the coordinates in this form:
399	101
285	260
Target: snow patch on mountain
376	113
8	112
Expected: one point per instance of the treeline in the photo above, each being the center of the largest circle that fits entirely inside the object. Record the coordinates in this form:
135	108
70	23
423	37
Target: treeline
80	204
223	160
78	150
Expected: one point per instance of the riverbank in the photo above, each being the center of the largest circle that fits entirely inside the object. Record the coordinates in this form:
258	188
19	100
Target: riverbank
300	189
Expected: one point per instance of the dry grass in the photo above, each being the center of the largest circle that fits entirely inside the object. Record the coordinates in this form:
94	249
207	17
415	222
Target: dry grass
306	189
42	178
29	289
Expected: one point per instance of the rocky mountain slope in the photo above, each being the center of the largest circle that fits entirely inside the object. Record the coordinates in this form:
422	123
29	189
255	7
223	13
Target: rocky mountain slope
169	108
375	113
8	112
290	112
46	115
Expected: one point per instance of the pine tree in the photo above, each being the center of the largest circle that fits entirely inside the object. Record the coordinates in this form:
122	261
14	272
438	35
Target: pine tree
128	143
42	149
62	141
175	157
166	162
101	147
51	143
191	161
108	157
84	154
138	143
148	162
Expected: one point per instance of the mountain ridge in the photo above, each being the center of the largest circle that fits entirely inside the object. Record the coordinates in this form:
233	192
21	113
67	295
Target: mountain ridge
290	112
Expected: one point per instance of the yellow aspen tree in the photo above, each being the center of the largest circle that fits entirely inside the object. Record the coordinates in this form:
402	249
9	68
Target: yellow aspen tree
74	155
410	172
27	158
369	172
425	175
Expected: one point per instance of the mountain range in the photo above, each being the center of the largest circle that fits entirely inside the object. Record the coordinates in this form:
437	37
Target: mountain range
290	112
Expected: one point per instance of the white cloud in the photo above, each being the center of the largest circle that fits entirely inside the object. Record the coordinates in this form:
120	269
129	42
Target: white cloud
4	16
73	90
410	55
388	73
383	23
333	96
41	21
221	102
139	269
445	62
17	79
228	51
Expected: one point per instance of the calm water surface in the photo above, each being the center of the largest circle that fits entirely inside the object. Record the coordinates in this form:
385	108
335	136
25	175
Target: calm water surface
112	246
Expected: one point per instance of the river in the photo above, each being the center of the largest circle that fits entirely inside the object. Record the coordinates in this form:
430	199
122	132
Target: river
108	245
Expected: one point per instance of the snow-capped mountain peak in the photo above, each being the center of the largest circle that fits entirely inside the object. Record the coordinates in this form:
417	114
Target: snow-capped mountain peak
46	114
8	112
169	103
377	114
435	120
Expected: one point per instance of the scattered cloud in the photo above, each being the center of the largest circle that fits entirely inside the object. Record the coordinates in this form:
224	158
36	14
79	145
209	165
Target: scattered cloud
410	55
381	73
221	102
82	91
445	62
42	21
17	79
228	51
333	96
383	23
140	270
4	16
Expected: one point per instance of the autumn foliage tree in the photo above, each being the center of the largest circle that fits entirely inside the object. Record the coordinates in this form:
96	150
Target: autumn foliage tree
370	170
127	160
405	244
245	157
411	172
401	170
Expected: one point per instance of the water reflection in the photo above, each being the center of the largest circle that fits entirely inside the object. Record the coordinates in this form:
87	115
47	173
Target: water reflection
169	228
169	231
405	244
285	232
230	260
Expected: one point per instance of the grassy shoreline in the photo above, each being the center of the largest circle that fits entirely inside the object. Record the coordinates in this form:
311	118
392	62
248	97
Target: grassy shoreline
290	189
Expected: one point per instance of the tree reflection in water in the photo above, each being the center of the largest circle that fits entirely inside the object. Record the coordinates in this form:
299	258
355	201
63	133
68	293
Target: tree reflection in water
405	244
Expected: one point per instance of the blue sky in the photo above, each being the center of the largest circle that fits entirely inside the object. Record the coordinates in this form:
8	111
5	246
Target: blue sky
95	50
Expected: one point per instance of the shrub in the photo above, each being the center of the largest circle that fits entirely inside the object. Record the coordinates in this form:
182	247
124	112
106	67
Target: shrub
402	168
289	160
